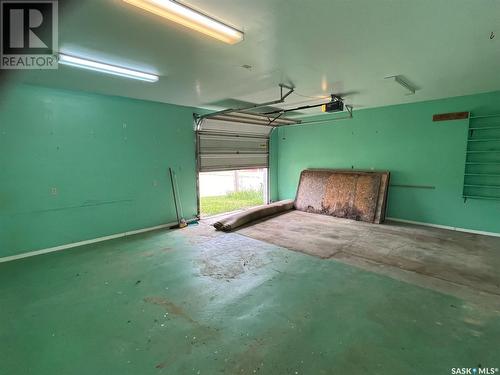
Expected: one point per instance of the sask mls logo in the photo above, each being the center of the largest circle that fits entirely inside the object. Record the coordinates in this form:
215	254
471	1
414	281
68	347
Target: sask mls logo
28	34
474	371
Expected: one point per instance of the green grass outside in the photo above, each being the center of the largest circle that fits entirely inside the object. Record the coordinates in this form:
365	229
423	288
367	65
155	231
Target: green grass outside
230	202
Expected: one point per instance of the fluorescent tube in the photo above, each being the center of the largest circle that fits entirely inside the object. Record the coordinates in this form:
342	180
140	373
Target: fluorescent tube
83	63
176	12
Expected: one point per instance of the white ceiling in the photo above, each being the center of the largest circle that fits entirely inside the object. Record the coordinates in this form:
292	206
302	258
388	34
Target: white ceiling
321	46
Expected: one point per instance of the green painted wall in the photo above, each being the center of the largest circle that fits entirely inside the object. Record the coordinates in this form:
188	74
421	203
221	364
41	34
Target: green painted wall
404	140
107	157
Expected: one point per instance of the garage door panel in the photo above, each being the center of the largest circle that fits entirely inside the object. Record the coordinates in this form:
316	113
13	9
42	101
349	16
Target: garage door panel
224	145
235	128
220	162
232	144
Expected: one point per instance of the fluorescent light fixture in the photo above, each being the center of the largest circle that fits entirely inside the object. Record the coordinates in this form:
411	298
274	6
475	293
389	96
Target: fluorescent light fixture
401	80
191	18
106	68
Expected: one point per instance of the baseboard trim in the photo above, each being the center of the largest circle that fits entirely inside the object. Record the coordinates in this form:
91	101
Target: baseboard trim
457	229
144	230
86	242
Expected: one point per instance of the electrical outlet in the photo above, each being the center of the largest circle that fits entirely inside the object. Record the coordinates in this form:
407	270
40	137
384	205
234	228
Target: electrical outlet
53	191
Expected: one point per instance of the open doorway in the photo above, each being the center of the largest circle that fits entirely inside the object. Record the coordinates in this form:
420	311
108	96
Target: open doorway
227	191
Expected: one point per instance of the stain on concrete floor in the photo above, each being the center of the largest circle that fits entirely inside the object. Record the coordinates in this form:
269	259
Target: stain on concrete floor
226	257
170	307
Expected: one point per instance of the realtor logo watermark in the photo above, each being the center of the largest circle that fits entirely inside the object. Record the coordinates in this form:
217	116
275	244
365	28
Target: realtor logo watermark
29	34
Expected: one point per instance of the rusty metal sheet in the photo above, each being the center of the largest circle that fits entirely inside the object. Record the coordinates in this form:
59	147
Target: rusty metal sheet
339	195
366	197
357	195
311	190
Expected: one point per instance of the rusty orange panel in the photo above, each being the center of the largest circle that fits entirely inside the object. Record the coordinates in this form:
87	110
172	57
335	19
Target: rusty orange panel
357	195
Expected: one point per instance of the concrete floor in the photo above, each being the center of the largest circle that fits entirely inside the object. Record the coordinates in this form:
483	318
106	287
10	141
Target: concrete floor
454	260
194	301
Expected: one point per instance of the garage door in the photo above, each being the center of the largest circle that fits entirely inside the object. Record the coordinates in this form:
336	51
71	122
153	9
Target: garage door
230	145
